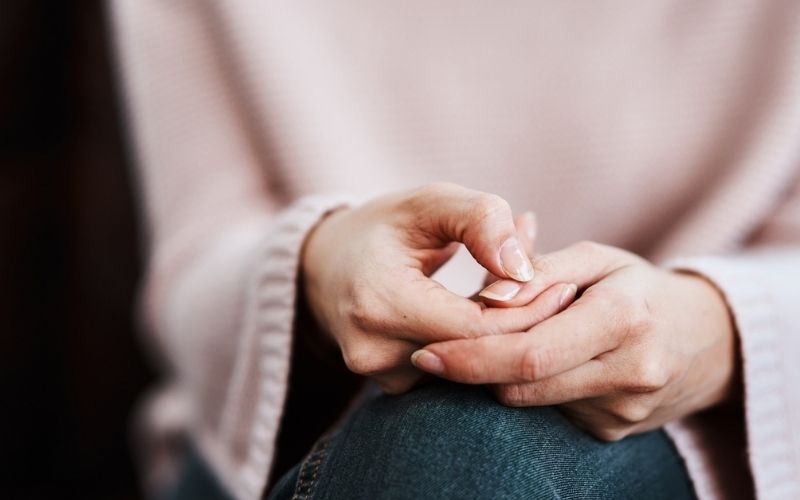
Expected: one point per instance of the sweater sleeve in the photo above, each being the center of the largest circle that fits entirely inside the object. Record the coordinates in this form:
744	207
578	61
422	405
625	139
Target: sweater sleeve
762	287
219	292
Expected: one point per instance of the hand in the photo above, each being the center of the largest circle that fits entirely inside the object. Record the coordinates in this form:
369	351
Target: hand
505	290
641	346
367	273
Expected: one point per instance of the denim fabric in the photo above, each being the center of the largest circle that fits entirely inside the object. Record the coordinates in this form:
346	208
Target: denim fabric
450	441
446	441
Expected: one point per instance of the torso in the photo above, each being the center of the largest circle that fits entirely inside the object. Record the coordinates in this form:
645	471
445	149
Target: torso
613	125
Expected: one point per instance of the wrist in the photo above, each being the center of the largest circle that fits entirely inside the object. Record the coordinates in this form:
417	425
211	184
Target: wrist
315	256
715	318
312	253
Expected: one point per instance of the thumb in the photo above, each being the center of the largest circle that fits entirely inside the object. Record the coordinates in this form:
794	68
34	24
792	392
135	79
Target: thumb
483	222
527	228
583	264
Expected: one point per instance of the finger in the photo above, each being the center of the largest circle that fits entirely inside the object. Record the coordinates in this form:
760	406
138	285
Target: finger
385	361
483	222
614	416
527	227
526	232
518	319
583	263
588	380
560	343
427	310
431	313
372	356
488	280
399	380
588	416
611	376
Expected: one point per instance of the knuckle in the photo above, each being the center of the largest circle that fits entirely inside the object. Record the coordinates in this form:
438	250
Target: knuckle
436	190
361	316
510	395
623	300
631	412
609	434
632	311
544	264
364	361
419	199
640	320
364	311
488	205
534	364
647	375
618	316
475	323
470	369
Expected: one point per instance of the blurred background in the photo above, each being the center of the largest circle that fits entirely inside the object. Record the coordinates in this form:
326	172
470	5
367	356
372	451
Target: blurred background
69	258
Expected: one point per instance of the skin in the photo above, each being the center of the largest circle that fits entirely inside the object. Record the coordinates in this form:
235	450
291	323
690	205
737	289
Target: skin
366	274
639	347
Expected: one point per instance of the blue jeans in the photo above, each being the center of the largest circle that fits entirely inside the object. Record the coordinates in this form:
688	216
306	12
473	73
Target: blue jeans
451	441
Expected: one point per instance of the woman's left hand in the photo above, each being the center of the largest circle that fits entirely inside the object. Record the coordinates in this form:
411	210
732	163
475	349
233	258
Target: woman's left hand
641	346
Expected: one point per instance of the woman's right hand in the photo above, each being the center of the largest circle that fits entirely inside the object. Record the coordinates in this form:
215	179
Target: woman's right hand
367	280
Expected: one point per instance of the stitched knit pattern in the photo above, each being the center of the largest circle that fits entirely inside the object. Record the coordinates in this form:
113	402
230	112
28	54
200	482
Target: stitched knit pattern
669	128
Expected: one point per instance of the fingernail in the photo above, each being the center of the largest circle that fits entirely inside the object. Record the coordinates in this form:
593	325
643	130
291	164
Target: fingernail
531	226
567	294
514	261
427	361
501	290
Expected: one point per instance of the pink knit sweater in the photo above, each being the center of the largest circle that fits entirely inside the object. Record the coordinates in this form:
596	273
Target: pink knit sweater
669	128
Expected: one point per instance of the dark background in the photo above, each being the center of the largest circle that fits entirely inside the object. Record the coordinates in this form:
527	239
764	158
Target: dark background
69	258
71	368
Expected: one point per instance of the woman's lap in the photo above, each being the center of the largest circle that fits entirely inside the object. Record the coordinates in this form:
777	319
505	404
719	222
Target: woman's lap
450	441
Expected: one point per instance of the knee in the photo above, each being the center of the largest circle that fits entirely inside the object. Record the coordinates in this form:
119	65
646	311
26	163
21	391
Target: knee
447	439
458	417
453	438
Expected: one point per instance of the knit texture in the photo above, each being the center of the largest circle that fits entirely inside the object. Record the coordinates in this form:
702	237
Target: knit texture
670	128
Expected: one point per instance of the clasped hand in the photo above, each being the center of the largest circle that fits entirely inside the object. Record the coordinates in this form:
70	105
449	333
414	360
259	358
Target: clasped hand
620	345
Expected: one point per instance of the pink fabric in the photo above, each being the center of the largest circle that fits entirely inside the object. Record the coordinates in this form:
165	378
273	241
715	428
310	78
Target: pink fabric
670	128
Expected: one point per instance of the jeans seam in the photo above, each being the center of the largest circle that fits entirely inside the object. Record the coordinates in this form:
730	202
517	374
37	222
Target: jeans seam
305	486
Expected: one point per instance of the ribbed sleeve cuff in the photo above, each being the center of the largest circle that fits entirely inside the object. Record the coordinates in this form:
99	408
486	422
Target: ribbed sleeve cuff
749	294
259	384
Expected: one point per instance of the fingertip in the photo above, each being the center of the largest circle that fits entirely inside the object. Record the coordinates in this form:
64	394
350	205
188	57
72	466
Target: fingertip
515	262
428	362
501	290
498	294
568	293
